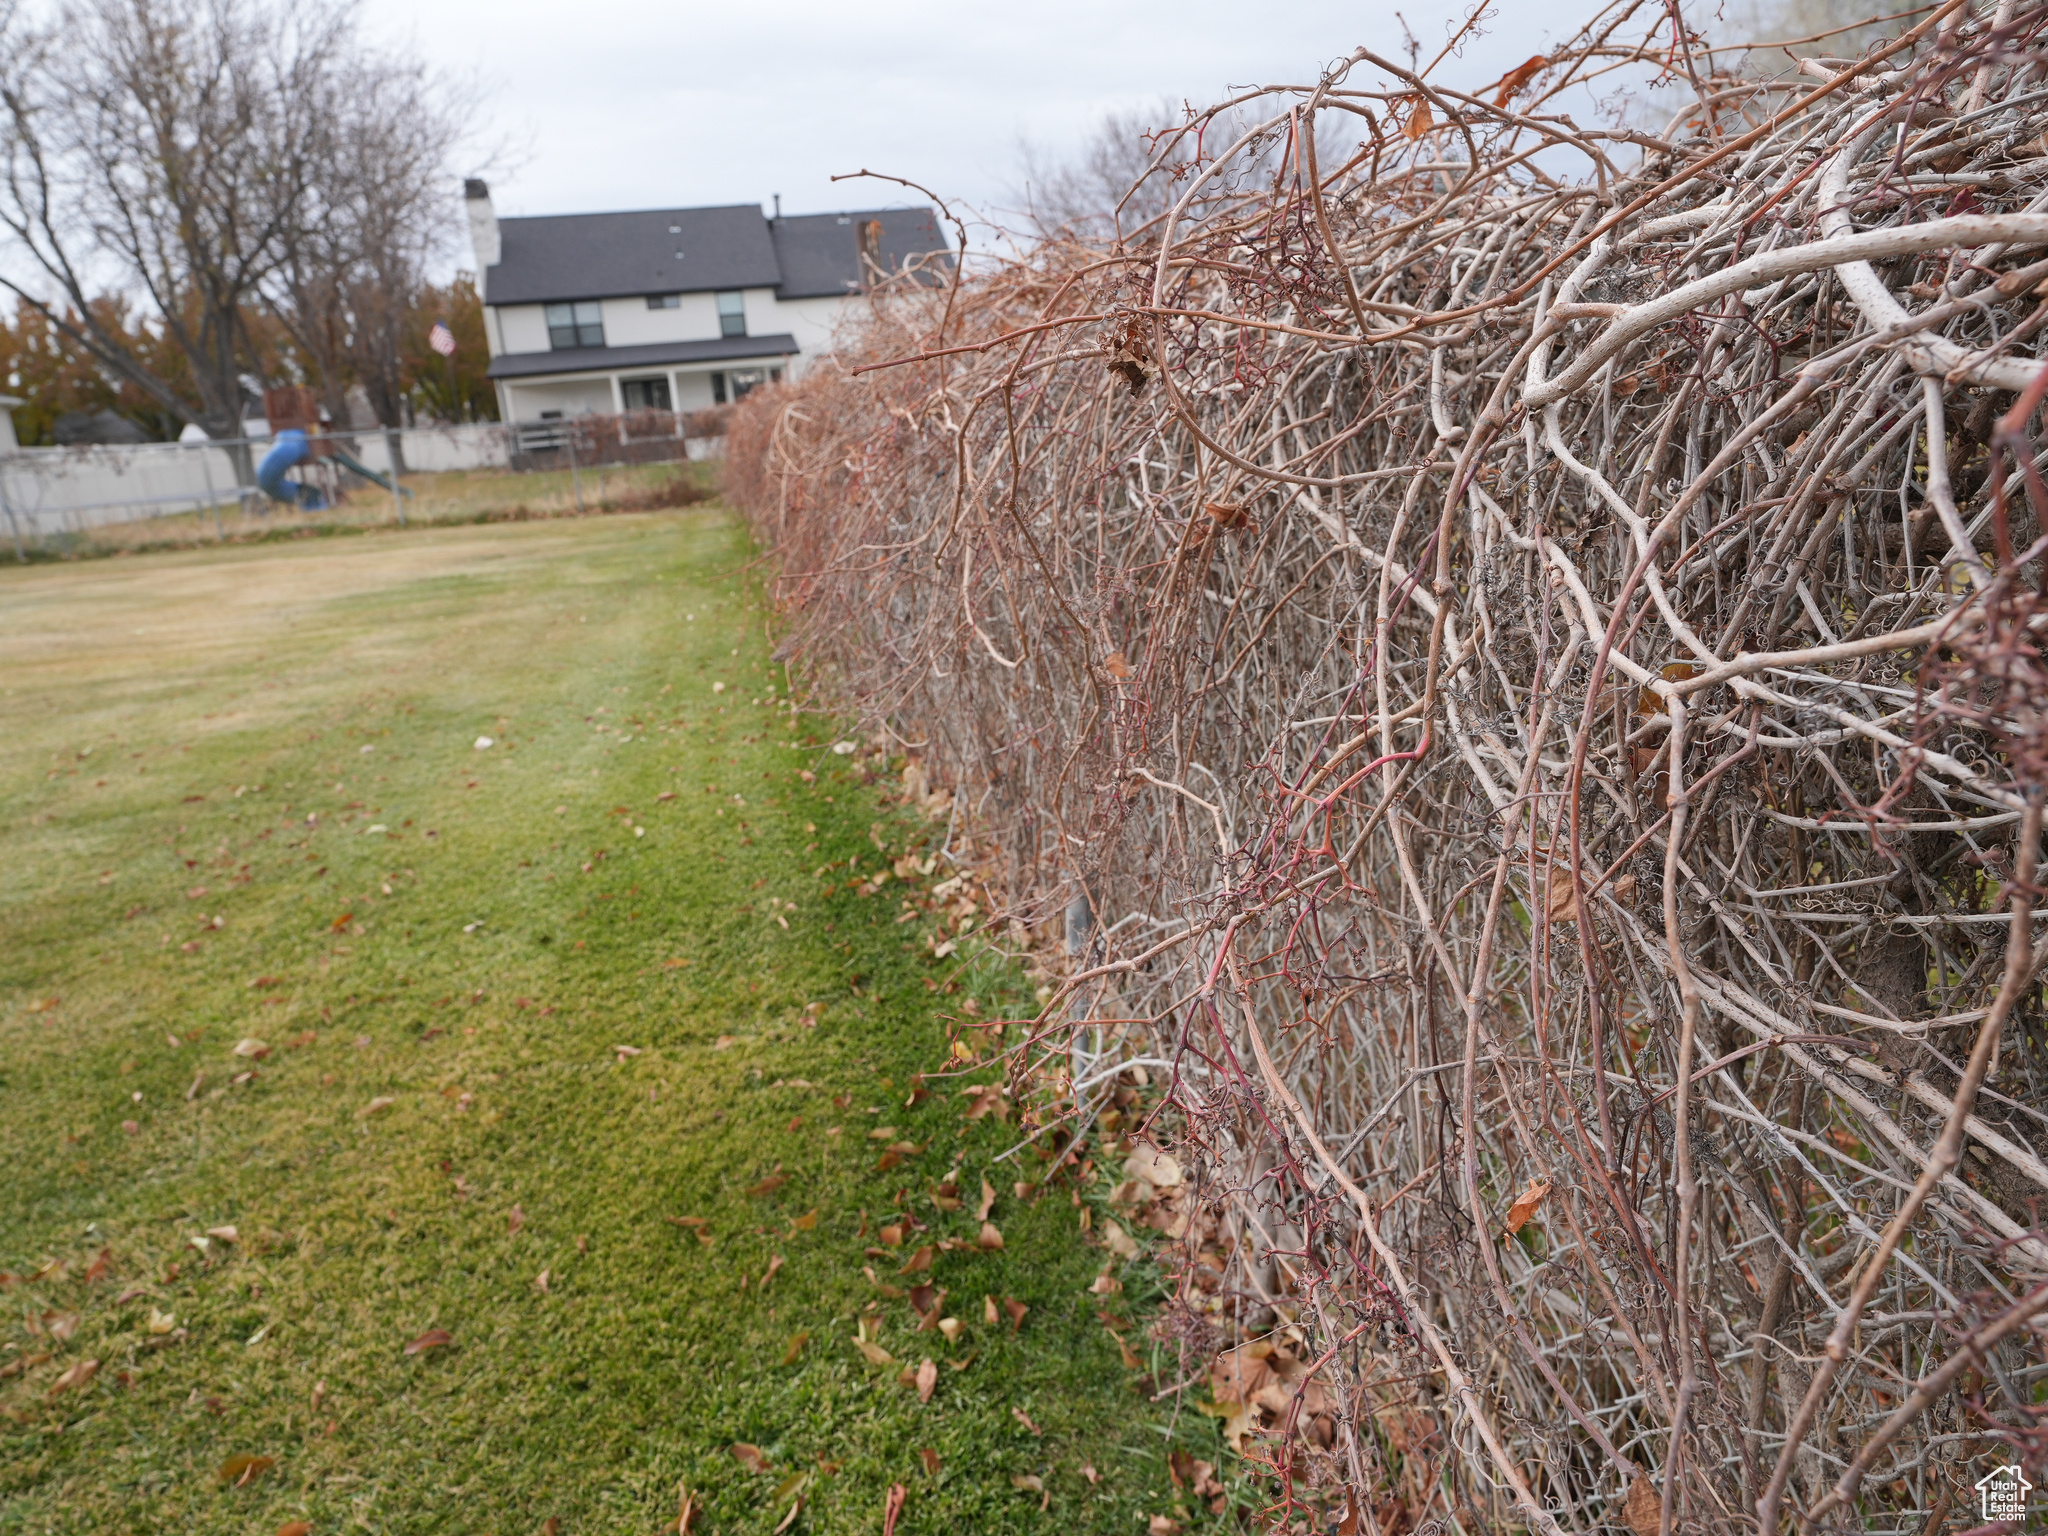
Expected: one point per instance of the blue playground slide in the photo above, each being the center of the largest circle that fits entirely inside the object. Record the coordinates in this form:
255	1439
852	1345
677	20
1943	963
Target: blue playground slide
291	449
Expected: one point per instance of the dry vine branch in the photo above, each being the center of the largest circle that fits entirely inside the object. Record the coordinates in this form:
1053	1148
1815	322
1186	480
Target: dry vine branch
1546	677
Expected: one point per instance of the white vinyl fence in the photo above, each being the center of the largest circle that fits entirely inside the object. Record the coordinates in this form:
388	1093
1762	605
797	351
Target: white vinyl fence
50	492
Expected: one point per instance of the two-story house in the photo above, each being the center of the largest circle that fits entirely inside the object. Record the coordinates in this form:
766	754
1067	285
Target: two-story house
672	309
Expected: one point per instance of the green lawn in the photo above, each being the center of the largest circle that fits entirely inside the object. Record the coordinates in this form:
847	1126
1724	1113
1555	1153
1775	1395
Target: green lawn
244	802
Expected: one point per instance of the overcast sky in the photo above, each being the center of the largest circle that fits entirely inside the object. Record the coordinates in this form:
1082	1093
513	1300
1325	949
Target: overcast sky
610	104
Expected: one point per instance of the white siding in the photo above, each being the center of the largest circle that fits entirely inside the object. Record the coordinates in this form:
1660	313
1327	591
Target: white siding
572	397
523	327
630	323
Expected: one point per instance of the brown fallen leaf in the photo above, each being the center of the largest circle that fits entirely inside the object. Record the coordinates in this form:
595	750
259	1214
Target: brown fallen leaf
433	1338
990	1238
1088	1471
805	1222
1166	1525
97	1270
750	1457
1419	122
1643	1510
931	1460
1025	1419
242	1470
888	1160
1016	1309
1026	1482
540	1282
1563	901
774	1264
76	1378
1118	1241
1115	665
516	1219
769	1185
1525	1205
918	1261
875	1353
988	1201
927	1379
961	1365
891	1235
225	1234
952	1328
892	1508
723	1042
796	1348
376	1106
60	1325
296	1528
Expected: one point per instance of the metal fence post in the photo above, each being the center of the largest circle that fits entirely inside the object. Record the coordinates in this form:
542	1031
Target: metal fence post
212	502
575	480
391	469
13	522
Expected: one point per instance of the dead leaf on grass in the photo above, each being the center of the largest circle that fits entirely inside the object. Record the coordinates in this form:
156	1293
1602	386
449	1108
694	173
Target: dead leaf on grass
77	1378
892	1508
796	1349
516	1219
1162	1525
990	1238
376	1106
1025	1419
952	1328
750	1457
988	1201
927	1379
769	1185
1016	1309
918	1261
876	1355
296	1528
931	1460
242	1470
891	1235
774	1264
60	1325
805	1222
433	1338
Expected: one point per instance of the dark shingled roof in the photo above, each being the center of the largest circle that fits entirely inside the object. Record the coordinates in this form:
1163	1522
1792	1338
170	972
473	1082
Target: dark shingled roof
660	354
820	252
695	250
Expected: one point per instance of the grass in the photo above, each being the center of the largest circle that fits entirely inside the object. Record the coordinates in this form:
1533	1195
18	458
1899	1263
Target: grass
244	803
437	500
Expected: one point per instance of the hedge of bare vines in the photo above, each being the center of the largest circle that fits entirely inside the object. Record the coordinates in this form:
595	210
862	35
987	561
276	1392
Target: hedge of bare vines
1513	653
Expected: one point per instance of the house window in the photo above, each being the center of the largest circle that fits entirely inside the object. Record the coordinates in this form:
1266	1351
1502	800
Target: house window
645	394
664	301
745	379
575	325
732	314
718	389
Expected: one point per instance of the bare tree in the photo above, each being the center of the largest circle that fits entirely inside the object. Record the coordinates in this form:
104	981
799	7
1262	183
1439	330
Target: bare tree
220	158
352	267
164	147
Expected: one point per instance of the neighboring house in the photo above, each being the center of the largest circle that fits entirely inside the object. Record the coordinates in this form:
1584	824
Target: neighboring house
671	309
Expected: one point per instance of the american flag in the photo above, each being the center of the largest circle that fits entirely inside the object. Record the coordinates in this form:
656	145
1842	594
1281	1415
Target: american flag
441	339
